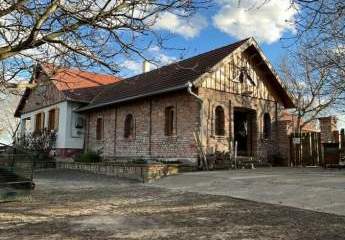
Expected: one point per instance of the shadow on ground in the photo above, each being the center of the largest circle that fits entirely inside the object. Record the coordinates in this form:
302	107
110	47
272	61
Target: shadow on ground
74	205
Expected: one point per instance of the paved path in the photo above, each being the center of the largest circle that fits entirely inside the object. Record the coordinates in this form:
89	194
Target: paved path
308	188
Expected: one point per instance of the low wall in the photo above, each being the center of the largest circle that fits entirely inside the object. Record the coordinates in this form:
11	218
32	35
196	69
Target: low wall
138	172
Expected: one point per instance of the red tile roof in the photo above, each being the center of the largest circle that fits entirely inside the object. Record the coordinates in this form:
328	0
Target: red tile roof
78	85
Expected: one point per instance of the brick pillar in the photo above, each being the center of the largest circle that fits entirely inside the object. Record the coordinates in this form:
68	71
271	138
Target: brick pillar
328	125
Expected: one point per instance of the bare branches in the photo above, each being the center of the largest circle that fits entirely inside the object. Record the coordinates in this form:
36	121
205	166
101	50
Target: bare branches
81	33
311	85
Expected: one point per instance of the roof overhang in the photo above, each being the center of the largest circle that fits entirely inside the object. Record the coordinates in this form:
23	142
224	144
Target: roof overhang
149	94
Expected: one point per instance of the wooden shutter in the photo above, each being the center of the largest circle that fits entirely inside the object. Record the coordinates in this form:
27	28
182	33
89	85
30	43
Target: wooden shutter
51	119
57	114
38	120
43	120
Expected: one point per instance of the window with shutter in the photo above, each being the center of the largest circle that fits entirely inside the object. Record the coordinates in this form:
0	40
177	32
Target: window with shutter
129	126
51	119
219	121
169	121
39	122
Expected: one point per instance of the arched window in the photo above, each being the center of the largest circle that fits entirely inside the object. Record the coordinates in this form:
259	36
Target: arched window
129	126
219	121
267	125
169	121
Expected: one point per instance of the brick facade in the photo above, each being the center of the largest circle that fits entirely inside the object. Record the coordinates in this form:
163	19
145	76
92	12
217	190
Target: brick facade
328	127
149	140
260	148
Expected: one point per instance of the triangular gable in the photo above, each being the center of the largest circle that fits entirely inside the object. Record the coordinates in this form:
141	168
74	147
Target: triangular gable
272	78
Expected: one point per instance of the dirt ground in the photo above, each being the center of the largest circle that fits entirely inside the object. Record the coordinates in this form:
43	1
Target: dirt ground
74	205
317	189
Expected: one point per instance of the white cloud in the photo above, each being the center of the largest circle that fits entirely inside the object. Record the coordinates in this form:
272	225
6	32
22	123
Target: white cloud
159	57
188	27
266	22
154	54
132	66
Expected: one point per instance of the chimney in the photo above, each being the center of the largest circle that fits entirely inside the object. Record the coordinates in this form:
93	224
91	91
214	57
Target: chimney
327	126
146	66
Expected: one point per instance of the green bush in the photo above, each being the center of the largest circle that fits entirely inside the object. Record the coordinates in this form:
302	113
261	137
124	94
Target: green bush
88	157
139	161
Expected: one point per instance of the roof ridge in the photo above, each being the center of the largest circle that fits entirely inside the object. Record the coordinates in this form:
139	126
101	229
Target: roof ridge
192	57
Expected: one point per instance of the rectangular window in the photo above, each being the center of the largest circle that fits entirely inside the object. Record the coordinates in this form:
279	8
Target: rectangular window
169	121
39	122
99	129
53	120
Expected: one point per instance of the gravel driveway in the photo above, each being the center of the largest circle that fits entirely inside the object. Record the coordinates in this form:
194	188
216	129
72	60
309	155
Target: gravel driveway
75	205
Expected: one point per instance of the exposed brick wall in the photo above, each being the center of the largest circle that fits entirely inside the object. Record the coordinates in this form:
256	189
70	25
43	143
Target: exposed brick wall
328	125
261	148
149	140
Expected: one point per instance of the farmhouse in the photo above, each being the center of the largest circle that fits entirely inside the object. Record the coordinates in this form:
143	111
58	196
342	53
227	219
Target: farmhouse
228	95
51	105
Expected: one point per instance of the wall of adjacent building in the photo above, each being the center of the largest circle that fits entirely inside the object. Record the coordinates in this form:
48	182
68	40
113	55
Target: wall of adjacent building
67	143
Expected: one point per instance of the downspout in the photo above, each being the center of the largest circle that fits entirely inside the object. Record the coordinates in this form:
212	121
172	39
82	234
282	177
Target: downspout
201	115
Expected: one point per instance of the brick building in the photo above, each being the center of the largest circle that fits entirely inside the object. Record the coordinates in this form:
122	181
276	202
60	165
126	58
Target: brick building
231	94
228	95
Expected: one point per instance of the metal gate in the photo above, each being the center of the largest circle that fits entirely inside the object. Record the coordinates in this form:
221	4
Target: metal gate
16	172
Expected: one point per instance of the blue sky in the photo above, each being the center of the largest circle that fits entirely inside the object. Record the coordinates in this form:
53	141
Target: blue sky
225	22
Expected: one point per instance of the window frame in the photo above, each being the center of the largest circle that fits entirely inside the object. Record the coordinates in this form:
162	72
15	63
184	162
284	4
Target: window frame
99	129
219	131
267	126
129	126
53	121
39	122
169	121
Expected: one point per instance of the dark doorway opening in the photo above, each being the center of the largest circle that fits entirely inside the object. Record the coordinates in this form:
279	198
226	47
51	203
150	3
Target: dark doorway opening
243	131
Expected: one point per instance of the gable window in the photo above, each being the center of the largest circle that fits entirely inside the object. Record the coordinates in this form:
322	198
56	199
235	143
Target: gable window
129	126
267	126
219	121
53	119
99	129
169	121
39	122
241	77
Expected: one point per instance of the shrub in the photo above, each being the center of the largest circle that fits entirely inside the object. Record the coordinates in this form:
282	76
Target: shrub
139	161
89	157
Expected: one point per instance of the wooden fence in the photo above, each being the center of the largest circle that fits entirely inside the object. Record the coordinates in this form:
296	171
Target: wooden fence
306	149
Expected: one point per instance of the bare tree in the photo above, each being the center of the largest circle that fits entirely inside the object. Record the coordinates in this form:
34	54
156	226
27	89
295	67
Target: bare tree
320	32
80	33
312	88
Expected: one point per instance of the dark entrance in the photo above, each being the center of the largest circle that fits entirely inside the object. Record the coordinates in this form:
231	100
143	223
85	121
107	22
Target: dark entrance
243	131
